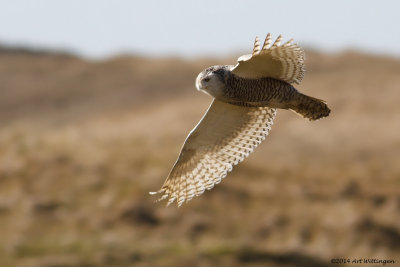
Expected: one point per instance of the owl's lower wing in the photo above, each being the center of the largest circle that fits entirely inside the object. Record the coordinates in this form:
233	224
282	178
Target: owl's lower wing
225	136
284	62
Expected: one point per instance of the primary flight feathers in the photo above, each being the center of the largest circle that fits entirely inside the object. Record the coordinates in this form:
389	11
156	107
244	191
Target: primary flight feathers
225	136
284	62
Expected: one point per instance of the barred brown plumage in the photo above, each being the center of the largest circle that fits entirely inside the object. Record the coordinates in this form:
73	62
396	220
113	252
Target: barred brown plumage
246	97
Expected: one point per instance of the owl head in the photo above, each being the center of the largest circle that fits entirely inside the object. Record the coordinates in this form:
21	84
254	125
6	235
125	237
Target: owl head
212	80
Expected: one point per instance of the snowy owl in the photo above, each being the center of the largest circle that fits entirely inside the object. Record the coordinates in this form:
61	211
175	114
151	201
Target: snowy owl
245	99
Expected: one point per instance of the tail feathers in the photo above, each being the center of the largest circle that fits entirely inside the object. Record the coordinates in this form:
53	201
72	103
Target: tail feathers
310	107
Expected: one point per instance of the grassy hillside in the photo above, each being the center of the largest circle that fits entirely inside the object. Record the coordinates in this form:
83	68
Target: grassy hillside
82	143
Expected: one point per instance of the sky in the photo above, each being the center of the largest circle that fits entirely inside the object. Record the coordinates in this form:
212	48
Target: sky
101	28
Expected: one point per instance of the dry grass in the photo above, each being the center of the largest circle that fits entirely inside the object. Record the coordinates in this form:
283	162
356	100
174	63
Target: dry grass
83	142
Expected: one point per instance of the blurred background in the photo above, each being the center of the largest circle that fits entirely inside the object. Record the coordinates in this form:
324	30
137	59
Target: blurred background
97	97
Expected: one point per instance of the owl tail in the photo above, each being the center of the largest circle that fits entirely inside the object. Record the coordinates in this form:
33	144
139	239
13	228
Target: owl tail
310	107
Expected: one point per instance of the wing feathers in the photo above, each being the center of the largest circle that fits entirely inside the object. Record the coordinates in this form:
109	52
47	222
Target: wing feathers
256	48
284	62
267	43
277	41
225	136
288	43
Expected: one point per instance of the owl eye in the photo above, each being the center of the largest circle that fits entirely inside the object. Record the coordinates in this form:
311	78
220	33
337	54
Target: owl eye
206	79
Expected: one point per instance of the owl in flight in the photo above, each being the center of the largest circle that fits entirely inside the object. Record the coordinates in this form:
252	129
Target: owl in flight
245	99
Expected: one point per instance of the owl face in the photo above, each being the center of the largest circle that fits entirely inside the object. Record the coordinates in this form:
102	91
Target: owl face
212	80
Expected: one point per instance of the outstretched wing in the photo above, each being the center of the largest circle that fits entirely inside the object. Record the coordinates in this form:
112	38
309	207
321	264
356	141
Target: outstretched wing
284	62
225	136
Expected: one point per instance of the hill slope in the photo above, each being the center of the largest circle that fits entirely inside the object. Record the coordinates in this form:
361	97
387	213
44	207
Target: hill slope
83	142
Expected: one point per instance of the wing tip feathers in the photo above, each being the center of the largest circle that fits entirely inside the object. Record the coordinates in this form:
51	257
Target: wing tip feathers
256	48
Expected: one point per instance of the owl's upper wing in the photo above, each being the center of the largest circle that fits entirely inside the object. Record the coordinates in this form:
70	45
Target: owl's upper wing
224	137
284	62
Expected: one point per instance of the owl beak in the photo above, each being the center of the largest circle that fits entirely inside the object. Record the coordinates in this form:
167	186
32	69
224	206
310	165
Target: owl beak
198	82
